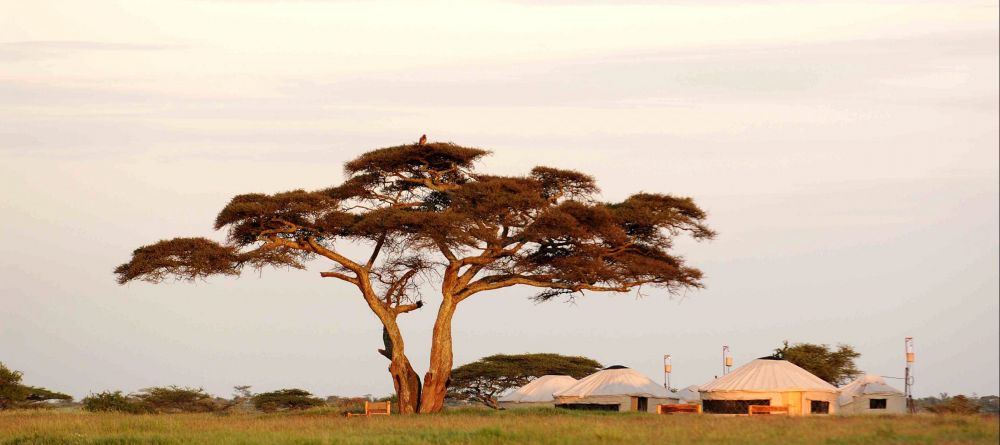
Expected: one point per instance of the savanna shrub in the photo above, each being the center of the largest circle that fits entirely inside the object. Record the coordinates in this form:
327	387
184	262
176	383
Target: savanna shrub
955	405
112	402
175	399
285	399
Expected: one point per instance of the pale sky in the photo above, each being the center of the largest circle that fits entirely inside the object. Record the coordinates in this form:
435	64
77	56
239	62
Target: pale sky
847	154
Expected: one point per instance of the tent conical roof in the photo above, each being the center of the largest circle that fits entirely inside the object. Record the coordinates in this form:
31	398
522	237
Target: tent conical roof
689	393
864	385
540	389
765	375
616	382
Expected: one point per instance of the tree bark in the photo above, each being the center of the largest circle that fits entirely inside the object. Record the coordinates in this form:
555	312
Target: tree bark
405	380
439	369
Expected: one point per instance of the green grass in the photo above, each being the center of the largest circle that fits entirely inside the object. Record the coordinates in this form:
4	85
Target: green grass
487	427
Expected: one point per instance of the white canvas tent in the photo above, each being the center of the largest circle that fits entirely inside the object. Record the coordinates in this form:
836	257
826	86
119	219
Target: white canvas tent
615	388
869	394
769	382
689	394
537	392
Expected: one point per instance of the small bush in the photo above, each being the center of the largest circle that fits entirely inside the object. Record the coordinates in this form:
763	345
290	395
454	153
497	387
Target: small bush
175	399
109	401
347	404
955	405
285	399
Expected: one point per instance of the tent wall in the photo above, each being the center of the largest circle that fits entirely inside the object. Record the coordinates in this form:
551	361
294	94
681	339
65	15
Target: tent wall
798	402
518	405
653	401
895	404
625	403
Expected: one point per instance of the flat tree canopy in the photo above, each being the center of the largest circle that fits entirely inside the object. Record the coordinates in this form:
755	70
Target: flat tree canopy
487	378
836	366
285	399
427	214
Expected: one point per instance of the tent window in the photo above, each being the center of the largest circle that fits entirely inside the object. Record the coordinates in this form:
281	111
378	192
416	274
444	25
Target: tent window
589	406
731	406
876	404
819	407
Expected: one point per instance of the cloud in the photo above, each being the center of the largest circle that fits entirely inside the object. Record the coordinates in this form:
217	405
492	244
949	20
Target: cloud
37	49
83	45
911	70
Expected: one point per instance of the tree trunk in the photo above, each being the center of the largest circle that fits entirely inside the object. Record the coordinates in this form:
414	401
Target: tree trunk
439	370
405	380
492	402
407	384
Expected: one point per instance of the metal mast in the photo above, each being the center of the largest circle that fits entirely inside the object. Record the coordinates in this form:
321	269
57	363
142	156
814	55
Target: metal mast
668	367
727	359
908	377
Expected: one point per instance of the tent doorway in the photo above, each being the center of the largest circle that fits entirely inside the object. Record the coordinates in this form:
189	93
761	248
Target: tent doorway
793	400
640	404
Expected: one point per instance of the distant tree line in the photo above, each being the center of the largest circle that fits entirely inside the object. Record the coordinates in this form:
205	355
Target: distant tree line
175	399
172	399
164	399
960	404
482	381
13	394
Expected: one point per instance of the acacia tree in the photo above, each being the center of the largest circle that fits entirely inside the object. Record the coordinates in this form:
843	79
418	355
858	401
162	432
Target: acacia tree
485	379
834	366
422	207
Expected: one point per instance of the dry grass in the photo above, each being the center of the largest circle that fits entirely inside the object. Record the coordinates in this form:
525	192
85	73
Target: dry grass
483	427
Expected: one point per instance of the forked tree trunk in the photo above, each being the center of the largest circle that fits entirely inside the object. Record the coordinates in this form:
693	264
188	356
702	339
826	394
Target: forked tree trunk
439	370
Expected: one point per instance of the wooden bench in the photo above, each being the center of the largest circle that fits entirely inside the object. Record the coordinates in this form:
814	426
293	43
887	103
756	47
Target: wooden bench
374	409
672	409
765	409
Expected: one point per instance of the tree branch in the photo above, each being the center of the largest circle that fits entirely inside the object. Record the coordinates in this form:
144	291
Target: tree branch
479	262
468	275
378	248
286	243
344	261
429	183
491	254
404	308
538	281
398	286
338	275
445	251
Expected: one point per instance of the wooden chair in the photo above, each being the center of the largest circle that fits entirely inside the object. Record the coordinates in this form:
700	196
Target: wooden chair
764	409
374	409
673	409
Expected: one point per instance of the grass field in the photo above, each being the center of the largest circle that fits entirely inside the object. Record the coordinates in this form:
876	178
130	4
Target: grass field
484	427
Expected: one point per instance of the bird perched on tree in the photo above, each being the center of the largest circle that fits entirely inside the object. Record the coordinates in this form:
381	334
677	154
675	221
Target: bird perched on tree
423	140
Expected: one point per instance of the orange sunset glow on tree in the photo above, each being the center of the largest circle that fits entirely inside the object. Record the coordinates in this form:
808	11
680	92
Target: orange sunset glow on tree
428	215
